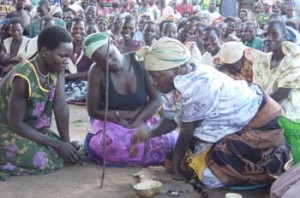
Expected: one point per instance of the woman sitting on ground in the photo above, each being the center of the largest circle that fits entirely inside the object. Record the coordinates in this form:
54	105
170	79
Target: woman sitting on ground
132	101
76	79
276	72
230	127
279	74
29	94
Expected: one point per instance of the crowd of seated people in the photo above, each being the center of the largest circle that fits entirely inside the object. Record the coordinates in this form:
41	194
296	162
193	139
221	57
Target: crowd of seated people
183	77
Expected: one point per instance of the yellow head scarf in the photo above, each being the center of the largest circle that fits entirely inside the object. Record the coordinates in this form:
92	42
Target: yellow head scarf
166	53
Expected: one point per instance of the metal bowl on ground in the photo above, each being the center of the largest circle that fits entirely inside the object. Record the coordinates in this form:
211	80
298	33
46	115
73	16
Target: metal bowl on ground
148	189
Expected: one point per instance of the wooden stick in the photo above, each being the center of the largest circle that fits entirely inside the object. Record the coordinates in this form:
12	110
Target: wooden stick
105	118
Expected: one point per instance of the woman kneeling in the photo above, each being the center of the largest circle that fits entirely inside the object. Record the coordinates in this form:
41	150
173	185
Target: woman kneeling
230	127
28	94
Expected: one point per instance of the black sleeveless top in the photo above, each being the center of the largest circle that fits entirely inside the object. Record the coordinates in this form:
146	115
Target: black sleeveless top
126	102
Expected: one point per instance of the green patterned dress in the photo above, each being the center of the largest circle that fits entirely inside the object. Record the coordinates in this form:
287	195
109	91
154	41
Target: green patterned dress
18	155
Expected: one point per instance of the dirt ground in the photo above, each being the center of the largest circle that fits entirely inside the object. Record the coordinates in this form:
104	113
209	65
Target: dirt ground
84	181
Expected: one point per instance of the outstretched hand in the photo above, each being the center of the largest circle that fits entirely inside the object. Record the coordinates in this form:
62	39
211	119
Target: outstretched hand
142	134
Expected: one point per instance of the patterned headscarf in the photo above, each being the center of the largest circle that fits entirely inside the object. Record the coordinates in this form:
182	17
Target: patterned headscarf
166	53
104	18
93	42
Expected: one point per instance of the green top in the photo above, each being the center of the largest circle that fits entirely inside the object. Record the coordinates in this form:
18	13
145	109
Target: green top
40	100
255	43
34	3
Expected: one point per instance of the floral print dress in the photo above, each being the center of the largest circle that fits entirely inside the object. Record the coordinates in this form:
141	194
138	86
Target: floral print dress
18	155
286	75
224	105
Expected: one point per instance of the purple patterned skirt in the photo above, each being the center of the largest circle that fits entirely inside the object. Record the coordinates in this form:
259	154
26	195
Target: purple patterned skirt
118	140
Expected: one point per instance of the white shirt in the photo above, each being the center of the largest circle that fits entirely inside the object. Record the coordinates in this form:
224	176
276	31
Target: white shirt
166	12
224	105
208	59
32	47
212	15
22	49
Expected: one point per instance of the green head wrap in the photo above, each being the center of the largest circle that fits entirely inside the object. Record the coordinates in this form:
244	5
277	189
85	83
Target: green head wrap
93	42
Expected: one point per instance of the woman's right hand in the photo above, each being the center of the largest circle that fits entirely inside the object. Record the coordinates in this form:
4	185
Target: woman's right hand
68	152
143	134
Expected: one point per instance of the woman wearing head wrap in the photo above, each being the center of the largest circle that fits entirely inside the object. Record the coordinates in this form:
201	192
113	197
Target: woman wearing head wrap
103	23
236	61
131	102
230	127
